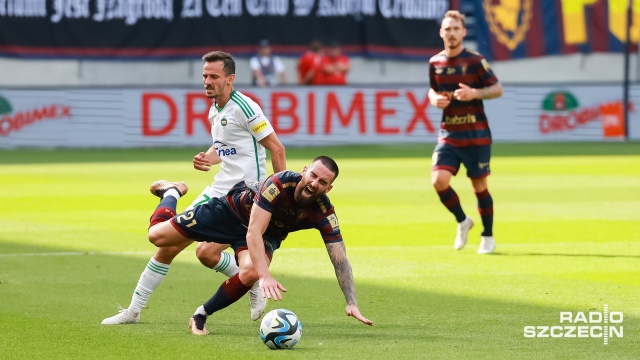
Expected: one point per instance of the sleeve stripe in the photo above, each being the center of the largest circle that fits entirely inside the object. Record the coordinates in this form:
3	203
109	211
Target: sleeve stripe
246	109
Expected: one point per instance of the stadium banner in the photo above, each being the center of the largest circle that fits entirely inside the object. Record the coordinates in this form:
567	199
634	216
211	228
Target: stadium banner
187	29
517	29
302	116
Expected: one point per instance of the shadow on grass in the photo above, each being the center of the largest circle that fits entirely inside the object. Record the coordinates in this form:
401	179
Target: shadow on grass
62	299
411	150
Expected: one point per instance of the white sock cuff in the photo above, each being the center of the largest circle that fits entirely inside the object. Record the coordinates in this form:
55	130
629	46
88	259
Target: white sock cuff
200	311
171	192
225	261
157	268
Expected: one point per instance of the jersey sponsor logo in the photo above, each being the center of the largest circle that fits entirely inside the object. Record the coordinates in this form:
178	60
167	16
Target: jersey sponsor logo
261	126
333	220
271	192
223	149
509	21
460	120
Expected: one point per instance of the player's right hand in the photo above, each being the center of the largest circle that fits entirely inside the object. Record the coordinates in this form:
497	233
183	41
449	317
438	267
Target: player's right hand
201	162
271	288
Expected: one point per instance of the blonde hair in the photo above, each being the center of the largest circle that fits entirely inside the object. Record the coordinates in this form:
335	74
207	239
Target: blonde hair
454	14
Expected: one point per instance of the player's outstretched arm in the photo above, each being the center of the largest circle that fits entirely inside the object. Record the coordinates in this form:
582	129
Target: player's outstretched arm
338	255
258	222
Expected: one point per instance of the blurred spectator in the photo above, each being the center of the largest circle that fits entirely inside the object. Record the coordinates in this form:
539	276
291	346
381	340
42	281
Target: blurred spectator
309	64
268	69
334	66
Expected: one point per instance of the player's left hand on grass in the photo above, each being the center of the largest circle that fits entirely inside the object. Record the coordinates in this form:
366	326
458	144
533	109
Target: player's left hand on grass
352	310
271	288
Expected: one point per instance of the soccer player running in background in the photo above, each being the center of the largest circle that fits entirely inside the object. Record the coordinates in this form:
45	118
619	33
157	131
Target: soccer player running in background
460	79
255	219
240	133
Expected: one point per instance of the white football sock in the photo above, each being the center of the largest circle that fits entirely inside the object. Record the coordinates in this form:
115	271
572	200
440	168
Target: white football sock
171	192
150	278
227	264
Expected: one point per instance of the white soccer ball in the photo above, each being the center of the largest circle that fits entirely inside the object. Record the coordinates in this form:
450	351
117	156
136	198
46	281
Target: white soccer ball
280	329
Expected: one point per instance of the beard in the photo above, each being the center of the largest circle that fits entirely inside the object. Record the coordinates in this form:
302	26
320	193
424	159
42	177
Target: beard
302	198
454	43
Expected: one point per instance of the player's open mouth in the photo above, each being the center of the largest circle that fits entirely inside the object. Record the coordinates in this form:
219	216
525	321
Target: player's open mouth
307	190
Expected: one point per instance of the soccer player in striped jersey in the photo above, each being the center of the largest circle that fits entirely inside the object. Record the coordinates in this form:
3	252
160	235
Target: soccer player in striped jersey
460	80
255	219
240	133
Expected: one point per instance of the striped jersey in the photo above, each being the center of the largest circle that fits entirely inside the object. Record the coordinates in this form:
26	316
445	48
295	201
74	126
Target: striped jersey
464	123
275	195
236	129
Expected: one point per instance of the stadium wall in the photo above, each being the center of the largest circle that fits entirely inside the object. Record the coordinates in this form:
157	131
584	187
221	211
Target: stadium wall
576	68
303	116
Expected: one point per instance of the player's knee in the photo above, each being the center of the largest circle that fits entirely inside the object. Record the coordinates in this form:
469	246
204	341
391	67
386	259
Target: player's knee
248	275
207	255
154	237
439	184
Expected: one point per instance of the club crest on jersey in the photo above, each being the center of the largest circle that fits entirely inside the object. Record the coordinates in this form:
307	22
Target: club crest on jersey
509	21
223	122
223	149
271	192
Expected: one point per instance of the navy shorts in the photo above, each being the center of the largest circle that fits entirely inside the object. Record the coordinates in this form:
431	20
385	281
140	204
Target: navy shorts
214	221
475	158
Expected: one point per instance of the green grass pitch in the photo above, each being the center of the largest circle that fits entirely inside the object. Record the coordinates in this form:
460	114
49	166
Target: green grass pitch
567	224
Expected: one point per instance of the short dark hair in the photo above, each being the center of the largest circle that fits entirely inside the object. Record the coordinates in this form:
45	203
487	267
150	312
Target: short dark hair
228	63
455	14
330	164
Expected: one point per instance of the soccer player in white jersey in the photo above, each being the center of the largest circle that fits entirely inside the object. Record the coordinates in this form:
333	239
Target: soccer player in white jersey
240	133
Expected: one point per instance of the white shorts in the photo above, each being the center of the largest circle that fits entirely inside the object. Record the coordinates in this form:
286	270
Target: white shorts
205	196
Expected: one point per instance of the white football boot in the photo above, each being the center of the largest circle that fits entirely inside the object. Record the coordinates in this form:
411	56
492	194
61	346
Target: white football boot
463	232
124	316
257	302
487	245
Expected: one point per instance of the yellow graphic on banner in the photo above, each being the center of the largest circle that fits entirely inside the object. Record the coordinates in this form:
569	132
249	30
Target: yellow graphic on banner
618	20
509	20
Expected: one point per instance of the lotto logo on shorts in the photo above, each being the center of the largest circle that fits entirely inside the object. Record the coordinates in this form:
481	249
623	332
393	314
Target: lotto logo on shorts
259	127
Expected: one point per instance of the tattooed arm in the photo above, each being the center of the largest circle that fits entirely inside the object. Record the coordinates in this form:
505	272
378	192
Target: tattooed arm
338	256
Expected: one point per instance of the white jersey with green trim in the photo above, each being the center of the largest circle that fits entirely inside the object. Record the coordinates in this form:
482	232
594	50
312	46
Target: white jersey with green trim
236	129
